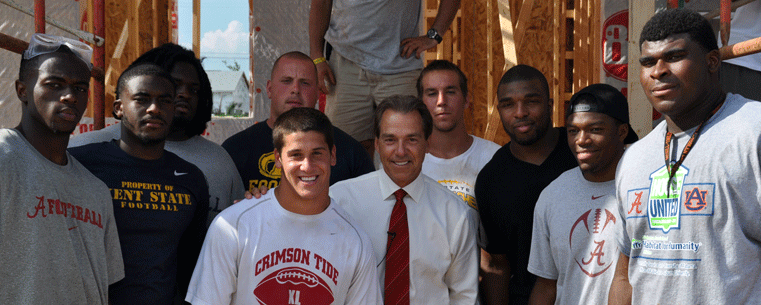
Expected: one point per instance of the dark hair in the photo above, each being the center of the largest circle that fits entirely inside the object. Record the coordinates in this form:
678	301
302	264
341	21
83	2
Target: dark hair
294	55
166	56
404	104
301	119
28	65
442	65
141	69
525	73
678	21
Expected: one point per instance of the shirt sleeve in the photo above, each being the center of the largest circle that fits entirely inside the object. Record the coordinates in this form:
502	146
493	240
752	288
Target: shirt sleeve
365	286
462	275
113	247
214	279
541	261
622	236
193	238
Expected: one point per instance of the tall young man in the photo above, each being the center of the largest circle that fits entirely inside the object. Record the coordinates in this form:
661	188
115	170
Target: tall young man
690	191
294	244
509	185
57	230
424	237
193	103
573	248
293	83
160	200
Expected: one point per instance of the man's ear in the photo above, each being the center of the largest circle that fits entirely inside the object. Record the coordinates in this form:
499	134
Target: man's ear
714	61
278	163
118	114
333	156
21	91
269	88
623	131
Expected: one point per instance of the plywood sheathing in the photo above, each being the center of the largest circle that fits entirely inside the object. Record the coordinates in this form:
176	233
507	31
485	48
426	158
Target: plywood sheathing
140	26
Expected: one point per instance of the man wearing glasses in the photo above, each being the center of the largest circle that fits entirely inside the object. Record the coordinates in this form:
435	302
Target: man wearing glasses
57	230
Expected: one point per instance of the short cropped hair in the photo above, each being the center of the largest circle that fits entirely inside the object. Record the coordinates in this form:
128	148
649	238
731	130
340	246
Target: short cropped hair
442	65
294	55
404	104
525	73
678	21
301	119
169	54
29	65
142	69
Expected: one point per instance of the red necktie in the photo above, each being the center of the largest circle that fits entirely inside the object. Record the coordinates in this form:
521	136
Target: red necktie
397	281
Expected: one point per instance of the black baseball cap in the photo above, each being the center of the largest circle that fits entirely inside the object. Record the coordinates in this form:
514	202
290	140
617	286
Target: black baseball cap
605	99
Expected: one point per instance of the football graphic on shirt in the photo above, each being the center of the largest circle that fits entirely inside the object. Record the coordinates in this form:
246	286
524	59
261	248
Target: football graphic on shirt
293	285
592	241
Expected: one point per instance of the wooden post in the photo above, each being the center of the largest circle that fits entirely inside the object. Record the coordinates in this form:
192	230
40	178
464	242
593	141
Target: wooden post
640	110
197	27
99	61
39	16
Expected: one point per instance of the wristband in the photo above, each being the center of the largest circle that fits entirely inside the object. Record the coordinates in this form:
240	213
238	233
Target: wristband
319	60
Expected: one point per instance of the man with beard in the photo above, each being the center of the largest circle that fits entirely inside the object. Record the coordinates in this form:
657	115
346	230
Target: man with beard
57	230
193	104
160	201
509	185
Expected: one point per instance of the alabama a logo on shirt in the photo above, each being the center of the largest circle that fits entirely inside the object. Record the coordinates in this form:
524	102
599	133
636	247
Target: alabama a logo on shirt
663	206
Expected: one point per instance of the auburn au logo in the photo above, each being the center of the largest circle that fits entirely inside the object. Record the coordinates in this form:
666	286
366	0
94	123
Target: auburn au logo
695	199
267	166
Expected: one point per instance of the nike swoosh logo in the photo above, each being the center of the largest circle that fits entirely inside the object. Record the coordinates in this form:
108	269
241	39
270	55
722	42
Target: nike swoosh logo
179	174
598	197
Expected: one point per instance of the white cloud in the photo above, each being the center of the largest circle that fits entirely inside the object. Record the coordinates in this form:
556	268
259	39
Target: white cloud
231	40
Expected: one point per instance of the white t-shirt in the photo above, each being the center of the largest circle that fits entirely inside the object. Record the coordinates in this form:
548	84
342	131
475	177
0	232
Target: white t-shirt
256	252
459	174
443	252
573	241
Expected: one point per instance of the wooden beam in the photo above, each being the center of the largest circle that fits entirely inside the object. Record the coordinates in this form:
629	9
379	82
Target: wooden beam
522	23
640	110
197	28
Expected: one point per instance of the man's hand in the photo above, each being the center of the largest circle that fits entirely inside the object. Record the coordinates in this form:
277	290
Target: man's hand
254	193
416	45
324	72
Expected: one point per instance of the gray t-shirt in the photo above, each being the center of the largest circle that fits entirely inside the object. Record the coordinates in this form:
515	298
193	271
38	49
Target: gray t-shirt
700	241
58	239
220	171
370	33
574	238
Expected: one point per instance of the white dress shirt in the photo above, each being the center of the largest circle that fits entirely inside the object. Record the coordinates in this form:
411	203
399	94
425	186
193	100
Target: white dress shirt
443	253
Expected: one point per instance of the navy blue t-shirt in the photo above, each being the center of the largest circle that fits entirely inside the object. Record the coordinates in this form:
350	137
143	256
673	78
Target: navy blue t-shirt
160	207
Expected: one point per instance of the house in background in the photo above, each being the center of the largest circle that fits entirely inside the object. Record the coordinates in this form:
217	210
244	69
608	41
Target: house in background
230	93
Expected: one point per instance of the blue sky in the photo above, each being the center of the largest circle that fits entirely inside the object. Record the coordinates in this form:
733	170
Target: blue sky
224	32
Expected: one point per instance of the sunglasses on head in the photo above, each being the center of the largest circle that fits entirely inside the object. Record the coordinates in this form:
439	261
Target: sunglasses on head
44	44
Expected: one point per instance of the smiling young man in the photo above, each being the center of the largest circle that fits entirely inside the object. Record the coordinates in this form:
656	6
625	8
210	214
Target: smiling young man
57	231
293	84
294	244
573	248
424	237
193	103
508	186
160	200
689	192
